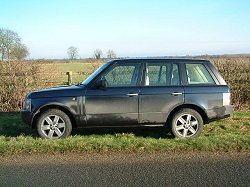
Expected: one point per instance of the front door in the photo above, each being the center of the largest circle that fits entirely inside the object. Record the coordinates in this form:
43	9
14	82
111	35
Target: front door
117	103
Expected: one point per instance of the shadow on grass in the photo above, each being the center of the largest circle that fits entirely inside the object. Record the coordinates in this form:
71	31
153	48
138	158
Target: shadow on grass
11	125
152	132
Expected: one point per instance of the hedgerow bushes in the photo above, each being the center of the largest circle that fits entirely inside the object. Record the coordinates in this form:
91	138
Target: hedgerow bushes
236	72
15	81
19	78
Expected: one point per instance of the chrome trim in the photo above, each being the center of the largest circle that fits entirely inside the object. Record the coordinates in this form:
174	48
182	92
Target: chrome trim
132	94
176	93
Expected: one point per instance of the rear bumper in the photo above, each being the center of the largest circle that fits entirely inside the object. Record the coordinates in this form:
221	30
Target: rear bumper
219	113
27	117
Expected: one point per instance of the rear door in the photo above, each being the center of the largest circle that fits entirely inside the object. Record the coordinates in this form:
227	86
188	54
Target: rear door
161	91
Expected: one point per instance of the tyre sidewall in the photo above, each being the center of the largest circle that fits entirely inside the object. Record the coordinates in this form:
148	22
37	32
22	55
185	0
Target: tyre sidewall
187	111
68	125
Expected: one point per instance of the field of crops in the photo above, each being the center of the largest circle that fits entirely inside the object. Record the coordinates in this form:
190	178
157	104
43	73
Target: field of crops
58	71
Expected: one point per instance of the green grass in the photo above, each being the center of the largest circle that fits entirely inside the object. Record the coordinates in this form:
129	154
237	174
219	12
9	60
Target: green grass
231	134
80	71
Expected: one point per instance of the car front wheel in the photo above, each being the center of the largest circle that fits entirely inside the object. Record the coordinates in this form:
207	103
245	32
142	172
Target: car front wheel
187	123
53	124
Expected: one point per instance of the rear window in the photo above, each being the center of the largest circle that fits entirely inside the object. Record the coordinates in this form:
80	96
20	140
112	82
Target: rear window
198	74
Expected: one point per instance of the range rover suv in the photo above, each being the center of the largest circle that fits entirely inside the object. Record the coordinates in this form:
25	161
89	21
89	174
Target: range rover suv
181	94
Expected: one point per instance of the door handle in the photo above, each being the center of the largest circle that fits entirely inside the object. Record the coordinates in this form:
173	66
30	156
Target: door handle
132	94
176	93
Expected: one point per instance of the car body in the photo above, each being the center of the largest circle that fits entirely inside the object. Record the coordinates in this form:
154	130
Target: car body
134	92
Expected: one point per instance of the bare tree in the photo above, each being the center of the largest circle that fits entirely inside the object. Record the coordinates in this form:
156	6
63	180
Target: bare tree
19	52
2	45
72	52
98	53
111	54
8	40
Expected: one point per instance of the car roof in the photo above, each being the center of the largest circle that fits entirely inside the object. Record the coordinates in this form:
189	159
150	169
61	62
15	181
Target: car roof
179	60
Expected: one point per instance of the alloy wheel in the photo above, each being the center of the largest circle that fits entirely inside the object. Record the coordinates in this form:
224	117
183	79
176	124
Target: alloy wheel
186	125
53	126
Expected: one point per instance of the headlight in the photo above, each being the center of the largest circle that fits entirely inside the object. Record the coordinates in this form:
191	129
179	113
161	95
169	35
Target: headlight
27	104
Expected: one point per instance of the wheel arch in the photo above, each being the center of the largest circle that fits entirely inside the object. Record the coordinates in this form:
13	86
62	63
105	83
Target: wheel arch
200	110
54	106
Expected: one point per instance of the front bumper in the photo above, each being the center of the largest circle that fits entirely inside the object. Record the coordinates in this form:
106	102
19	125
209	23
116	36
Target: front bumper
27	117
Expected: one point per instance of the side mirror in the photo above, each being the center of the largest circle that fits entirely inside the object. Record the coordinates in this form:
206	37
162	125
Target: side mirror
102	84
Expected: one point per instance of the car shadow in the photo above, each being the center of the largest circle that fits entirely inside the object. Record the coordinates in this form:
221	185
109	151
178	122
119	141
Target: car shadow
11	125
152	132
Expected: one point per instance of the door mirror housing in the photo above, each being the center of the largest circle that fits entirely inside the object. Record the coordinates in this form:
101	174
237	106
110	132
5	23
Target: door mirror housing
101	84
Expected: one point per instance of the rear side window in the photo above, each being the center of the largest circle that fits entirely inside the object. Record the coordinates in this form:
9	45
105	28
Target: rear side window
162	74
198	74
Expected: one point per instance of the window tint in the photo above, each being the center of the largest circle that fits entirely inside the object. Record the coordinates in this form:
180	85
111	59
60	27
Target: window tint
161	74
122	75
198	74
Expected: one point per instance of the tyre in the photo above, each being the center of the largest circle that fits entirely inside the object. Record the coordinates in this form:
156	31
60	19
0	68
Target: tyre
186	123
53	124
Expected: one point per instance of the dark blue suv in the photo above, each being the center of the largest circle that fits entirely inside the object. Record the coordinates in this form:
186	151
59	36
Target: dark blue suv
182	94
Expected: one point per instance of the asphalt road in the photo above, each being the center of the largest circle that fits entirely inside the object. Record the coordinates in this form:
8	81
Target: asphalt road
157	169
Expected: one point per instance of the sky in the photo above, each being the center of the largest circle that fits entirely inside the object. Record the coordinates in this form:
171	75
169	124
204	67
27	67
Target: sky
132	28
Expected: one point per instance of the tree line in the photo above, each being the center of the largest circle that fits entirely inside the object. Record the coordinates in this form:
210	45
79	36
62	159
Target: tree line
98	54
12	48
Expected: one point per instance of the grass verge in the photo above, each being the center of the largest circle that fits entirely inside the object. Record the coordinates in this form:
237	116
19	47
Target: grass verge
231	135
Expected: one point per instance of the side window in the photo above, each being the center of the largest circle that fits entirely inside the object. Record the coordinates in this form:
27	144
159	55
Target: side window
198	74
161	74
123	75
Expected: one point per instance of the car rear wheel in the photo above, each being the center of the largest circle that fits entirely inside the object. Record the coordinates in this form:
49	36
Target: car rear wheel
53	124
186	123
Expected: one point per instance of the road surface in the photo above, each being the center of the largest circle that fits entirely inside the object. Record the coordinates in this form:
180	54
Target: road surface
114	169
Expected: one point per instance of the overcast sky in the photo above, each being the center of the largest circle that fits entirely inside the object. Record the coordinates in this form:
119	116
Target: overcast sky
129	27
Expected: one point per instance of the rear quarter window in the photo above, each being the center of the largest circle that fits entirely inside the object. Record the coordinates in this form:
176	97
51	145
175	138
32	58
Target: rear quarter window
198	74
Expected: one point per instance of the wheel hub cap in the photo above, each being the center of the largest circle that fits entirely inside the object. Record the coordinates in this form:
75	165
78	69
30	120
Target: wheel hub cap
53	126
186	125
